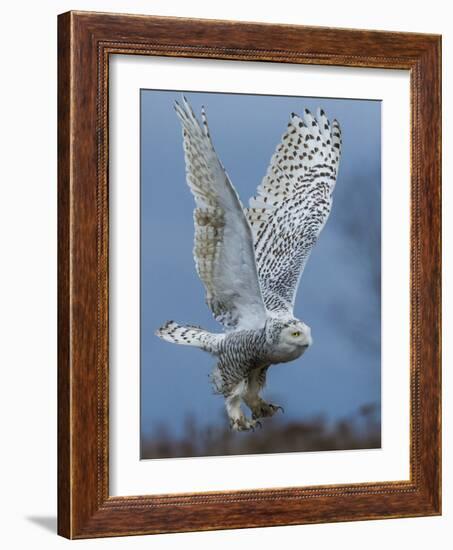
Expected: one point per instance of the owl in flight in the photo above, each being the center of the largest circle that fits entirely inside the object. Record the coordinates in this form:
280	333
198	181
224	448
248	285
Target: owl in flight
250	260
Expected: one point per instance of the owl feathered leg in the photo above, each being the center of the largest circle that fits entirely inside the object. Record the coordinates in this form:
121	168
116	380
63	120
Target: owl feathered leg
238	421
257	405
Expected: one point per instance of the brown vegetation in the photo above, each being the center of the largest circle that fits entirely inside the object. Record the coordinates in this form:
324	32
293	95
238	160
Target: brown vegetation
362	431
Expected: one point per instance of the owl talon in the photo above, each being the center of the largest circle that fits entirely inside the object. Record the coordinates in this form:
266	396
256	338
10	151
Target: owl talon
243	424
263	410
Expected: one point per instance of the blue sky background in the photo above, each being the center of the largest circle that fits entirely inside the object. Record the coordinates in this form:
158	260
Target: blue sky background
339	294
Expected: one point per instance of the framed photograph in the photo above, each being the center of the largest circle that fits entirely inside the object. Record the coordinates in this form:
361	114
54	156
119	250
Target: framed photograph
249	275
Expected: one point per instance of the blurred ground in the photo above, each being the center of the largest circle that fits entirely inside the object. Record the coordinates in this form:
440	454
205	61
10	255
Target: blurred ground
360	431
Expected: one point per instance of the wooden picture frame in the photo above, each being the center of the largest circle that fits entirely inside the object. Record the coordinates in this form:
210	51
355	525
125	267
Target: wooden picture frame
85	42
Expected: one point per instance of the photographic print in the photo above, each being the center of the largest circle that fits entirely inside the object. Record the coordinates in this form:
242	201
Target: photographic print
182	226
260	274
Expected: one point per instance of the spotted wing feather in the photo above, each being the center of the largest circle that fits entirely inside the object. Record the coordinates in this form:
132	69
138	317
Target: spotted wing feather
292	205
223	244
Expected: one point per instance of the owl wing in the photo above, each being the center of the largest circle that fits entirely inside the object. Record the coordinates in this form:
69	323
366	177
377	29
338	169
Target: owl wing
223	245
292	205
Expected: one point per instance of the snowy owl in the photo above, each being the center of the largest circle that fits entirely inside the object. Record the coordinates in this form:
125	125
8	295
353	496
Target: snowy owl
250	260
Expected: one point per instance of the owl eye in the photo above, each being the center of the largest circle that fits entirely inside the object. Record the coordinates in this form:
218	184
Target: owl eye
295	334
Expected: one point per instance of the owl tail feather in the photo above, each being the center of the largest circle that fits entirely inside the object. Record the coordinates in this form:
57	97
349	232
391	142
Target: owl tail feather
189	336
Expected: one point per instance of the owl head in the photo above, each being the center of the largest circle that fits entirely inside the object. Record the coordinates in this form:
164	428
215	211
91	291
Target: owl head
288	333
